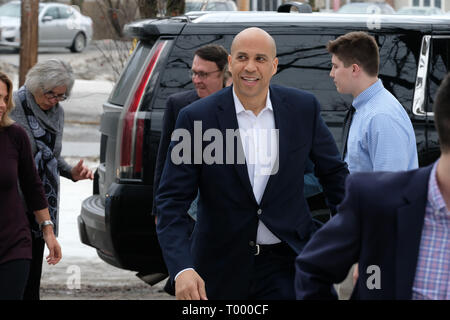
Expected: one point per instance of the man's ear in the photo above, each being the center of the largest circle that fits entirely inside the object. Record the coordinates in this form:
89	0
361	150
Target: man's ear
356	68
275	66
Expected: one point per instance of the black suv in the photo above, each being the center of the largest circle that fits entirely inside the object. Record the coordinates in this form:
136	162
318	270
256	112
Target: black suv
117	220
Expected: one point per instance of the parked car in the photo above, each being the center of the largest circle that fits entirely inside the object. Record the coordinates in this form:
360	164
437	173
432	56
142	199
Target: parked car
367	7
60	25
117	220
421	11
209	5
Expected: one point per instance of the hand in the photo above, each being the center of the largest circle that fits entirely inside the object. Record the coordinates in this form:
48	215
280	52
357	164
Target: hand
81	172
53	246
190	286
355	274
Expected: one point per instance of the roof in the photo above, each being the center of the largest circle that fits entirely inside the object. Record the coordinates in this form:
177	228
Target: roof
269	16
214	22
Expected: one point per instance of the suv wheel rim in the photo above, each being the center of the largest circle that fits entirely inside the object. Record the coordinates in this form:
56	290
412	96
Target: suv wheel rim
79	42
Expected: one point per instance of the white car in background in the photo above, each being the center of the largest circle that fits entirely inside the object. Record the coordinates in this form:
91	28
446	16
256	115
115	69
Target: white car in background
60	25
209	5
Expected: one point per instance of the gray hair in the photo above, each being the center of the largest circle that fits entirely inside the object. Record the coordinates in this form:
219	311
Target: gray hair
49	74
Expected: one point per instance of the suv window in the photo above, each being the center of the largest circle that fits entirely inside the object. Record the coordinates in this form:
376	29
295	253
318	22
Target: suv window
439	67
398	65
176	76
304	63
123	87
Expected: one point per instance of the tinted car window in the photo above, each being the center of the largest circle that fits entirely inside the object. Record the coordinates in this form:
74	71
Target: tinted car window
304	63
216	6
398	65
176	76
126	81
65	12
440	60
52	12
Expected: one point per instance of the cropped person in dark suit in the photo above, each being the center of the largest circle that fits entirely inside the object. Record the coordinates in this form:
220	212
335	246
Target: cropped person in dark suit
252	217
395	225
209	75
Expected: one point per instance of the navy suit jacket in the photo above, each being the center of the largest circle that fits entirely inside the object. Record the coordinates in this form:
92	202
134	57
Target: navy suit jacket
378	224
220	249
174	104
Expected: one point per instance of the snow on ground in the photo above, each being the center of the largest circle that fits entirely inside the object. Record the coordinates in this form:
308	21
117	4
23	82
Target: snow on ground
72	194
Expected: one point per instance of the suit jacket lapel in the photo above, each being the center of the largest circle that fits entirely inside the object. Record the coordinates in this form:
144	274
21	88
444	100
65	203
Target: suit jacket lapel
410	219
226	116
281	116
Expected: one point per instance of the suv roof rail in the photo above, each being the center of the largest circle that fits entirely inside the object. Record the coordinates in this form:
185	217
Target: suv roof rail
299	7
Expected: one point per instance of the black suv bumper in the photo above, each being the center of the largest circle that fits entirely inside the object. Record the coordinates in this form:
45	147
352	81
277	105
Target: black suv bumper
123	229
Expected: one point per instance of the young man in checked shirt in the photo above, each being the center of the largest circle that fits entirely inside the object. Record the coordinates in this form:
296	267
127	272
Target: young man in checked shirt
395	225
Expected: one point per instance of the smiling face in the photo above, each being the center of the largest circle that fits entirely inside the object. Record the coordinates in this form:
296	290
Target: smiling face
208	77
252	64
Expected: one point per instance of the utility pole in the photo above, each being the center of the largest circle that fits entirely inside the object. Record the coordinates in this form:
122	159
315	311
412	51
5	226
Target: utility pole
243	5
28	37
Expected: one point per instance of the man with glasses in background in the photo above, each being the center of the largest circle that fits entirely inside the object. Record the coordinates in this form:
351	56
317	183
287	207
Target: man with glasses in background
209	75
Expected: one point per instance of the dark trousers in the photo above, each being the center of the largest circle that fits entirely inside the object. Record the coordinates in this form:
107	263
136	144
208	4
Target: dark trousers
34	279
13	278
274	274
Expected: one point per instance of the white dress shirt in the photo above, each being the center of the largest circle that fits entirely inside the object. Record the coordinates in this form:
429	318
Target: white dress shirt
260	143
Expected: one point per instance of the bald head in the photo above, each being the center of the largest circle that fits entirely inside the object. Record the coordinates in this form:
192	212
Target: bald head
252	63
252	34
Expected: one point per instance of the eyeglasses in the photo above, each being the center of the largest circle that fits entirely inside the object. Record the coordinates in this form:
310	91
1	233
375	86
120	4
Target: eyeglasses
52	95
202	75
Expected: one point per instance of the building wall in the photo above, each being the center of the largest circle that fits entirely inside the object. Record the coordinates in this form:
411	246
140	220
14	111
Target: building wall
445	4
327	5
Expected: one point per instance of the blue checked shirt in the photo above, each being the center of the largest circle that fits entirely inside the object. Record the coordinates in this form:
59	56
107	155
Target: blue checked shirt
381	136
432	279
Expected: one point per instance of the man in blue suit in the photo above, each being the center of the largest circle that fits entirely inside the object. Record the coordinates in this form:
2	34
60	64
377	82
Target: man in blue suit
395	225
252	217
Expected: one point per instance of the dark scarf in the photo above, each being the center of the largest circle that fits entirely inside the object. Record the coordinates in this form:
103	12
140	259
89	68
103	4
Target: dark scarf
46	164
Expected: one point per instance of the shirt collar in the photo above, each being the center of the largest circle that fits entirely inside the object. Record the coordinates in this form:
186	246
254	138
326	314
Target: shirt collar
240	108
367	94
434	194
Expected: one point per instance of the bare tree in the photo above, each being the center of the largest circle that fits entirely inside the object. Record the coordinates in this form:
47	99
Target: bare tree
117	49
78	3
148	8
175	7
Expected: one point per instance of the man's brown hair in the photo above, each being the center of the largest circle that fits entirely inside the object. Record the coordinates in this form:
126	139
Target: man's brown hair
357	47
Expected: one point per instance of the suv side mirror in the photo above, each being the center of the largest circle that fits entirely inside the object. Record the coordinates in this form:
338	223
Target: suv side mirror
47	19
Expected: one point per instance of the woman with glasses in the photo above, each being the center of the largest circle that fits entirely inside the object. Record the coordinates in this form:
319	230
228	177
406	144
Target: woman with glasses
17	166
39	112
